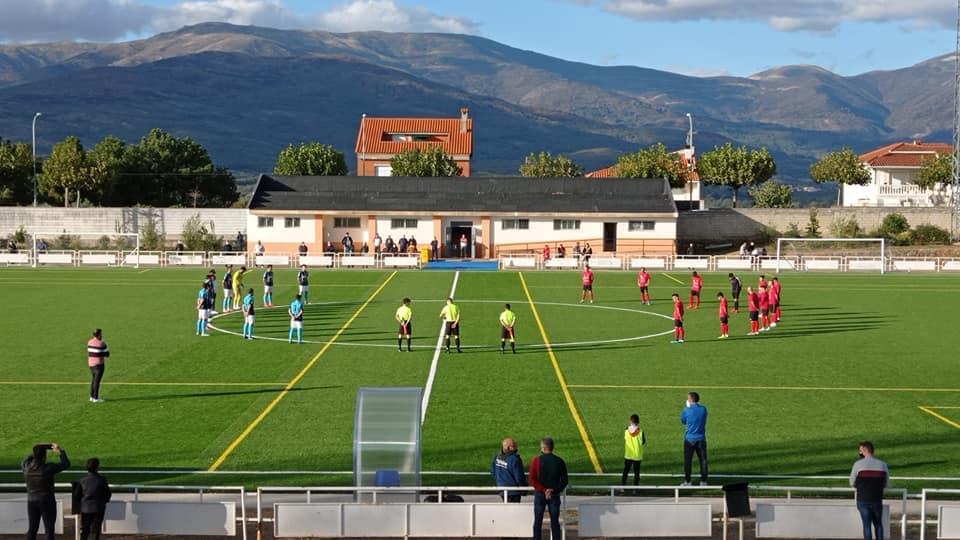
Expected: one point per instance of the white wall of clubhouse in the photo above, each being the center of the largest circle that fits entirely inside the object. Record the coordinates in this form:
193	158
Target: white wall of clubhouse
422	230
542	230
266	228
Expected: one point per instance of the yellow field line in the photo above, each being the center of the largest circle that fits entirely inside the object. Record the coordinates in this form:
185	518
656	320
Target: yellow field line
563	382
289	386
109	383
797	388
940	416
673	278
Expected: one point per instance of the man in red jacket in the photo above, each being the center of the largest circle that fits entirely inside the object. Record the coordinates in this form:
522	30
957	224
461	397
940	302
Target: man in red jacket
548	476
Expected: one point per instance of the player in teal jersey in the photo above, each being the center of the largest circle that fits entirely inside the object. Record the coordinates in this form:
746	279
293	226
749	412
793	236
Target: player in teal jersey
296	319
268	286
204	305
248	315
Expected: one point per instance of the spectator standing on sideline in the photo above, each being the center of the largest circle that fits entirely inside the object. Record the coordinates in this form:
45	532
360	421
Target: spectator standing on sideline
97	352
561	251
694	416
41	500
434	249
95	494
576	251
870	476
507	469
548	475
302	249
633	441
735	286
402	244
377	244
587	252
464	243
347	242
546	252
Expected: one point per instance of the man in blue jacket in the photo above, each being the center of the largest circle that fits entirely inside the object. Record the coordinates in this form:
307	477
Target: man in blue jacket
694	416
507	469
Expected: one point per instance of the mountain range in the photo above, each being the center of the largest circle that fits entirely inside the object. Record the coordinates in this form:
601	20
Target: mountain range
246	92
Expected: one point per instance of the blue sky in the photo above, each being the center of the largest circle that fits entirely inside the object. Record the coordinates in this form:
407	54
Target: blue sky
697	37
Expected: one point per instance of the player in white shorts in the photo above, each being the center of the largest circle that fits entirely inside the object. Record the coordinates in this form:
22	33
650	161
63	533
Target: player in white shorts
303	280
248	315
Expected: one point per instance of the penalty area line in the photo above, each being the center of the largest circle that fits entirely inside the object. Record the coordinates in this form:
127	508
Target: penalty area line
939	416
293	382
671	277
563	382
763	388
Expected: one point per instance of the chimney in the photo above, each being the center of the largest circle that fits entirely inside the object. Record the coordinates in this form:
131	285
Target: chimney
463	119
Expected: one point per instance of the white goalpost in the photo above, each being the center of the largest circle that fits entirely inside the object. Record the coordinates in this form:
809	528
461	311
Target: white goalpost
107	257
870	262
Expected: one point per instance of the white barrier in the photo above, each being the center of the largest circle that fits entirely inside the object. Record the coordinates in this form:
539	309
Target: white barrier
950	266
135	259
314	261
786	263
109	259
874	264
803	520
826	263
15	258
948	521
222	259
654	263
410	261
276	260
909	265
724	263
171	518
184	259
691	263
511	262
605	263
562	263
356	261
13	517
644	520
55	258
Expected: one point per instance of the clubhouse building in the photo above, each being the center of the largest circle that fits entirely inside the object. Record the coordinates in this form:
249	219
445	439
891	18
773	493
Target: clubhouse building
495	215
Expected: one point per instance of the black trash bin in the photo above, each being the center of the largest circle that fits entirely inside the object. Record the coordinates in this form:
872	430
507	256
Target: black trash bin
738	499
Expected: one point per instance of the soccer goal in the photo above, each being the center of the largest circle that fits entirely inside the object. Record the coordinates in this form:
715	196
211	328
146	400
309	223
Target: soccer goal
831	254
86	248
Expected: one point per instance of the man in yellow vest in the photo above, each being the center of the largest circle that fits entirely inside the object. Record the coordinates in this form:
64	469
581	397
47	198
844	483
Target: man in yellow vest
451	322
633	441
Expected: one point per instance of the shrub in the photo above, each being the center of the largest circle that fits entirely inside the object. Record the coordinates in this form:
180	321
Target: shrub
893	224
930	234
196	236
20	235
103	243
813	225
150	238
793	231
845	228
66	241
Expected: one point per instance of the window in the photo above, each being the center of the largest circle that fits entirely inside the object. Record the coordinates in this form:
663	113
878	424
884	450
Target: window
383	170
642	225
515	224
402	223
264	222
346	223
566	224
291	222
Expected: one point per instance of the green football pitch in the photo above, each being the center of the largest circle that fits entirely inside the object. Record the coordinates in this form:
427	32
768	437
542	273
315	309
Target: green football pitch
856	356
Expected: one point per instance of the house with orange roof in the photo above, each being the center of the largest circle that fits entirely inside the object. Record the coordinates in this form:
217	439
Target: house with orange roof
893	172
381	138
686	197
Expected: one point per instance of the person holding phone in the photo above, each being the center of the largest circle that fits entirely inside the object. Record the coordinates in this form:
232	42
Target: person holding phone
39	478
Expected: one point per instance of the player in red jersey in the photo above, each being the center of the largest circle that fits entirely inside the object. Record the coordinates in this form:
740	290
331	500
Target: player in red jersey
696	285
762	282
678	332
587	278
753	301
724	316
775	300
764	302
643	281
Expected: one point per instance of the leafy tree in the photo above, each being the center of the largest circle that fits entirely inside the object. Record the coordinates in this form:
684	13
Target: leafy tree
108	155
812	230
842	167
150	237
653	162
198	237
544	165
312	159
16	172
936	173
772	194
736	167
894	224
430	162
68	168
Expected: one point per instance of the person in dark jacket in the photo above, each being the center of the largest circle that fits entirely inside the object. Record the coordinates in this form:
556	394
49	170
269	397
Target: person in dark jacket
41	500
507	469
95	494
548	475
870	476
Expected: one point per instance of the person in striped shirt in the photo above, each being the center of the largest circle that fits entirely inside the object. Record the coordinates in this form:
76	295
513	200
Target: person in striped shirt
870	476
97	351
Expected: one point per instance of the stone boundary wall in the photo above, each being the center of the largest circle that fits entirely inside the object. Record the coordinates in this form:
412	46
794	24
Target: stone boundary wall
735	225
225	221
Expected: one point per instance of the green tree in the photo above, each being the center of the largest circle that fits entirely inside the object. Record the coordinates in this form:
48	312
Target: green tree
430	162
198	237
653	162
312	159
736	167
936	173
544	165
842	167
108	155
16	172
68	168
772	194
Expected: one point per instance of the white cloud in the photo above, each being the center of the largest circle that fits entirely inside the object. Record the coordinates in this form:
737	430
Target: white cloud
110	20
786	15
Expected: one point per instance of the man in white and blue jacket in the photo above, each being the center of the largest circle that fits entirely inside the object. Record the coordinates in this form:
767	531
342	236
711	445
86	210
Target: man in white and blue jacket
694	416
507	469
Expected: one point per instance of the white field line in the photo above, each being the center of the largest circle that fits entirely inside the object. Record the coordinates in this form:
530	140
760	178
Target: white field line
436	360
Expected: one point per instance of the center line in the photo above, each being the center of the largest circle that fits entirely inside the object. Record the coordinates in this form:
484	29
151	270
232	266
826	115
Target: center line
293	382
436	359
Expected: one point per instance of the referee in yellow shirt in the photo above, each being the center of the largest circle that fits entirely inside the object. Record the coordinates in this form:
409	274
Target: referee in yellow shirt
451	322
507	320
404	316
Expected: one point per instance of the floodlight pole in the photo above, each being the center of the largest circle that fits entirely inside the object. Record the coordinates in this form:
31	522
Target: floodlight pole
34	132
955	180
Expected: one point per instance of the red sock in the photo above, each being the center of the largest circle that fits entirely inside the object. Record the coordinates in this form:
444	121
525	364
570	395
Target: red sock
691	301
753	326
777	318
723	329
683	333
766	321
698	302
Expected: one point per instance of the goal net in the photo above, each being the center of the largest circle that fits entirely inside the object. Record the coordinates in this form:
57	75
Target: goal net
85	247
839	254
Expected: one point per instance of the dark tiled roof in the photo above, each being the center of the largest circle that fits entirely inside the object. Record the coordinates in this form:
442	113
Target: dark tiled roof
446	195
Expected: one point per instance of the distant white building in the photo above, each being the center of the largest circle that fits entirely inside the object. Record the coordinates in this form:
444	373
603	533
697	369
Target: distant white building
893	173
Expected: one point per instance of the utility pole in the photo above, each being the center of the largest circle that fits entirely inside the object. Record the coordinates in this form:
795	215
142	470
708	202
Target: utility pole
955	184
34	132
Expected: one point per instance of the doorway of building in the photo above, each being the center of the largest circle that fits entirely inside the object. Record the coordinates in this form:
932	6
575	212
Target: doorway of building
610	237
460	239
